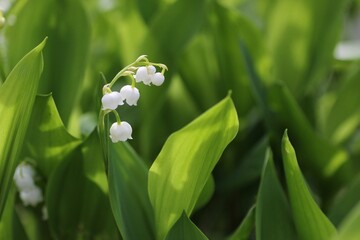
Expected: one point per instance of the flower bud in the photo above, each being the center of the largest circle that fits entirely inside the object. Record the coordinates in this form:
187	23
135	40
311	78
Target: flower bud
111	100
31	196
120	132
157	79
130	94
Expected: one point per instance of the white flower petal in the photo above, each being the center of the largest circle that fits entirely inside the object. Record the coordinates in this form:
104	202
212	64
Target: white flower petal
31	196
130	94
23	177
111	100
151	69
141	74
158	79
120	132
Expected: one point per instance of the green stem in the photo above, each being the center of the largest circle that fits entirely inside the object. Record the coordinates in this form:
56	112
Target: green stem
120	74
118	120
104	142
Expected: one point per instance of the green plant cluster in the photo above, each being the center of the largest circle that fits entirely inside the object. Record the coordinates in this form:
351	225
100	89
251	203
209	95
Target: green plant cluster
254	134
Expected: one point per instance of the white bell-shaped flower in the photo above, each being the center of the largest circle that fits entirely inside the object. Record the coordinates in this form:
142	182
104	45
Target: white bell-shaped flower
130	94
111	100
32	196
158	79
24	176
145	74
120	132
141	74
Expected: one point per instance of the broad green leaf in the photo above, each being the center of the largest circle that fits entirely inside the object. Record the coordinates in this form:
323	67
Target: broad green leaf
349	228
48	141
272	206
66	23
64	196
244	229
96	214
310	221
159	46
78	207
127	177
17	96
6	222
185	229
206	193
94	167
186	161
10	226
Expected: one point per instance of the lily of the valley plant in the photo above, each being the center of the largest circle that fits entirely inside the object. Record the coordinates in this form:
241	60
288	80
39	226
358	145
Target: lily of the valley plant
142	70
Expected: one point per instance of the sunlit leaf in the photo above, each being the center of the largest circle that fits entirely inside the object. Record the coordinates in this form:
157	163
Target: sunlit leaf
183	166
17	96
48	141
310	221
185	229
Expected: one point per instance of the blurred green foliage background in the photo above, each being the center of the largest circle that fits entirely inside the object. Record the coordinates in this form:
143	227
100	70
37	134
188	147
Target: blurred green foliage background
289	65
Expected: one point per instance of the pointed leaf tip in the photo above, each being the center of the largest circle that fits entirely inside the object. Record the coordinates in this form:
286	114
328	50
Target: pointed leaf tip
41	46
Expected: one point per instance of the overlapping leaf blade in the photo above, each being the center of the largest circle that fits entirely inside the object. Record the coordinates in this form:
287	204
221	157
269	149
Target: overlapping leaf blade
244	229
185	229
127	177
310	221
183	166
272	206
17	96
48	141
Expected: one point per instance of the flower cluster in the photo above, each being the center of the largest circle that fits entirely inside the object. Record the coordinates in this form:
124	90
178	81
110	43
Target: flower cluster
139	71
30	194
